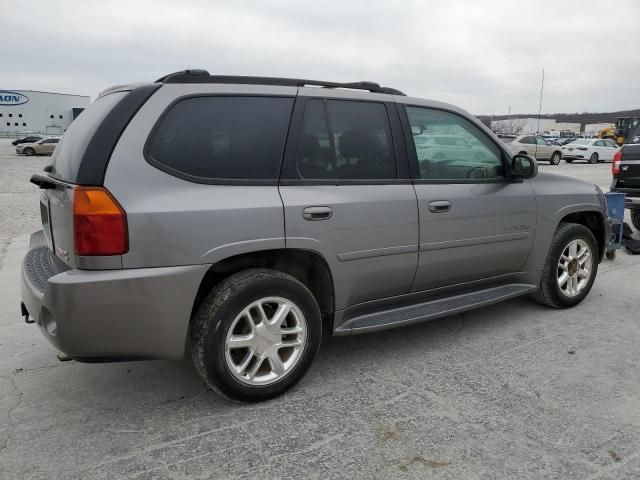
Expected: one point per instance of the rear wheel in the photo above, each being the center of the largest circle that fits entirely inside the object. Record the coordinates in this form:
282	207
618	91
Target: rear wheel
29	151
555	158
635	219
568	160
570	268
255	334
593	158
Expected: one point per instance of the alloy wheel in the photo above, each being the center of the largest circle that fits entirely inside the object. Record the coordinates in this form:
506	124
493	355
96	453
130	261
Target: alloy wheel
265	341
574	267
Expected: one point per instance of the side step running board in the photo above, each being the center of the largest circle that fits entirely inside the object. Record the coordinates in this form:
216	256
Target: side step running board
419	312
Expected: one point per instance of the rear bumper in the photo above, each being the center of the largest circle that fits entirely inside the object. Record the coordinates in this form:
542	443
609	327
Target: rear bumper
140	313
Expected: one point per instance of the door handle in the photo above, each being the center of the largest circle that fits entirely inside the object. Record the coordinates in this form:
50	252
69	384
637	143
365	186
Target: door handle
317	213
439	206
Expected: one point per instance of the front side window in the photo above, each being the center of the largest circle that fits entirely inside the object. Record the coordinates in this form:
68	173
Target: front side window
467	153
354	144
541	141
217	137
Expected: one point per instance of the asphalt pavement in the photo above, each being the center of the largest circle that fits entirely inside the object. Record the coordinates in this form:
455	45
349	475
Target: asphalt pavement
511	391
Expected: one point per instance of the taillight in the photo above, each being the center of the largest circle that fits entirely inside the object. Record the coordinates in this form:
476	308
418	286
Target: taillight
615	166
99	223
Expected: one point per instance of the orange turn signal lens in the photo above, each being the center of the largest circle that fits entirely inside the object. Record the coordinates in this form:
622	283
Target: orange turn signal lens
99	223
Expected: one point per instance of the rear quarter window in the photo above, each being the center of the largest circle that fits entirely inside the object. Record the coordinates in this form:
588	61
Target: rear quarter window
222	138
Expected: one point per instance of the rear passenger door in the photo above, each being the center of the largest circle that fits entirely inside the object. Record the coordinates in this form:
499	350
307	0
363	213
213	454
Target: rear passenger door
347	194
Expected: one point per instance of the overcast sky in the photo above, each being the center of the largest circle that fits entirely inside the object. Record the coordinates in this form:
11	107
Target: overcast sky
481	55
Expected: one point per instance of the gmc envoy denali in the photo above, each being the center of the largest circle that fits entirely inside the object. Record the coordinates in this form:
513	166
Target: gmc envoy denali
237	219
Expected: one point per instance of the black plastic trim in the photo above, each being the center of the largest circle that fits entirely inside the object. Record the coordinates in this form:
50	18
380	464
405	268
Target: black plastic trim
202	76
46	182
95	160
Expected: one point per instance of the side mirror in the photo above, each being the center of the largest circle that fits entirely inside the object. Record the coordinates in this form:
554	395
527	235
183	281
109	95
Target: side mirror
523	166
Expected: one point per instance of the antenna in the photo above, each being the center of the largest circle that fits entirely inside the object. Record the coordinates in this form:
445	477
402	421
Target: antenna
540	105
539	110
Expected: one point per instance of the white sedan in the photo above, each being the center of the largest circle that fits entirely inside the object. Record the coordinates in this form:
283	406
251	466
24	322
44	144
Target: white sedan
593	150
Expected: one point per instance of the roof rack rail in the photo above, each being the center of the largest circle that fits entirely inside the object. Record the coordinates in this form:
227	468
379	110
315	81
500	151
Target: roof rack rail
202	76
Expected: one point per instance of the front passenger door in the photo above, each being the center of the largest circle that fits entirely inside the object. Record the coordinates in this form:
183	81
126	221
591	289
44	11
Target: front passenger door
475	224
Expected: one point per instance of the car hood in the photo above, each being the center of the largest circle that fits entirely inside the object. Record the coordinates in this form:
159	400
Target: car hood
562	185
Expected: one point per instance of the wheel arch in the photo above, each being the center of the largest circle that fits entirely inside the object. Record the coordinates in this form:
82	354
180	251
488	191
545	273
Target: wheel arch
307	266
594	221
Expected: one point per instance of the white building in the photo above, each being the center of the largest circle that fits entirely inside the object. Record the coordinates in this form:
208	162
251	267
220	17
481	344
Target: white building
532	125
31	111
523	125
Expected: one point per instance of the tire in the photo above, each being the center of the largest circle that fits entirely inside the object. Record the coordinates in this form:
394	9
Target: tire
635	218
555	158
593	158
29	151
549	291
222	316
568	160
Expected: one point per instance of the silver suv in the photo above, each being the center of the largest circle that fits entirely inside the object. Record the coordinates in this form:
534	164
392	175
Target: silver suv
236	219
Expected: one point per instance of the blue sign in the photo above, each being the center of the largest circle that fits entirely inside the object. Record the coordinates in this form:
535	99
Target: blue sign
12	98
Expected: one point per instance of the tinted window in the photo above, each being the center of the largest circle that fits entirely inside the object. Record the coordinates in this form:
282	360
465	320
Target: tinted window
473	156
68	154
315	160
223	137
528	140
355	144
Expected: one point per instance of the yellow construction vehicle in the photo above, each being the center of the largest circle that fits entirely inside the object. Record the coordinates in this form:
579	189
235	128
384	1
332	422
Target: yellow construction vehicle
624	125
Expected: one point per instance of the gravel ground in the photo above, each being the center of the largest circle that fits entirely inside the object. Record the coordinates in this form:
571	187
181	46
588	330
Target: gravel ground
512	391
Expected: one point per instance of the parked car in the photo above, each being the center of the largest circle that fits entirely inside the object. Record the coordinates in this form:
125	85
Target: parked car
626	175
27	139
537	147
444	147
237	218
46	146
593	150
566	140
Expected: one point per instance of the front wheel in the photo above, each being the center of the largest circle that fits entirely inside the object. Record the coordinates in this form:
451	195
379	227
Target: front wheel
635	219
255	335
568	160
593	158
570	268
555	158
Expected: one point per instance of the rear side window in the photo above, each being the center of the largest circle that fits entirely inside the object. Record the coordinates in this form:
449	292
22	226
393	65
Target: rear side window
68	154
205	139
354	144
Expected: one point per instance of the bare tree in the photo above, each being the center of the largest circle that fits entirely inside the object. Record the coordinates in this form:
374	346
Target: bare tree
510	126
